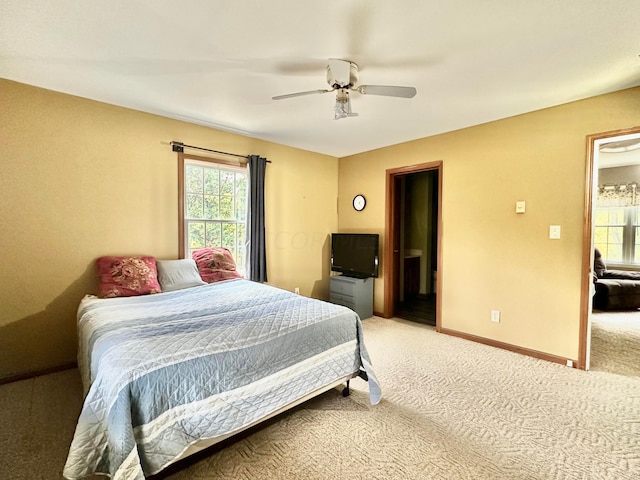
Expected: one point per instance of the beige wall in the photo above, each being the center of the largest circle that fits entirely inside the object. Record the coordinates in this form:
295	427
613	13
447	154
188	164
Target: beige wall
81	179
493	258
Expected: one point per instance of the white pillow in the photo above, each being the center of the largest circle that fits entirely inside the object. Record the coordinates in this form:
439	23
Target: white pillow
178	274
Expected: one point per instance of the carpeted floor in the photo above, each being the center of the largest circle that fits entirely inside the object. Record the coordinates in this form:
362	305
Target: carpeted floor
451	409
615	342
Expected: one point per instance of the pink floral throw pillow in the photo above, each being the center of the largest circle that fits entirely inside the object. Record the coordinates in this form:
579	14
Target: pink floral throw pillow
127	276
215	264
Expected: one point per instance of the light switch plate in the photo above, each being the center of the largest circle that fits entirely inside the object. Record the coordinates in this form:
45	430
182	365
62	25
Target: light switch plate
554	232
520	206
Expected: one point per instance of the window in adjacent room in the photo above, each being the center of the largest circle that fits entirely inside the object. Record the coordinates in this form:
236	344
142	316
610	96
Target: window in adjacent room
617	234
213	206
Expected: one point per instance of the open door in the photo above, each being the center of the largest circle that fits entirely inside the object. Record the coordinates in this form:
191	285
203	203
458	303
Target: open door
399	262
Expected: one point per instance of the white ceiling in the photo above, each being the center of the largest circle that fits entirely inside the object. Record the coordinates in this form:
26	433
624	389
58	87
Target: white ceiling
218	63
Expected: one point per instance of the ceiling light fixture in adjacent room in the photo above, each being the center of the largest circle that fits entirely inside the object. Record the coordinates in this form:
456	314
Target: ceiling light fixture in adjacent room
621	146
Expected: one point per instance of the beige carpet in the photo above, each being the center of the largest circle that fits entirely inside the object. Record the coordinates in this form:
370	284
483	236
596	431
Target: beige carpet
452	409
615	342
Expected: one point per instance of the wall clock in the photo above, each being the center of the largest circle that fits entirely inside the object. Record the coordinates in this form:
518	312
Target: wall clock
359	202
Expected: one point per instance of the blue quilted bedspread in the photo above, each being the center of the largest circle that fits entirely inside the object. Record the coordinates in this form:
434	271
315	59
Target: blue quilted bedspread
164	371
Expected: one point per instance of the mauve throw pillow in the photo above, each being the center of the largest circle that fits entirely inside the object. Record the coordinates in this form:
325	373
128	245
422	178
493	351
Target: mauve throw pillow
215	264
127	276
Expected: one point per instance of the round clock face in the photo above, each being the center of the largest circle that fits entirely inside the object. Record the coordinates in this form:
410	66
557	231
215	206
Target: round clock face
359	202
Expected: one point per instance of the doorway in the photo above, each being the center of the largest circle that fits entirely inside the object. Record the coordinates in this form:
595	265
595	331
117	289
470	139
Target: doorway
613	166
412	251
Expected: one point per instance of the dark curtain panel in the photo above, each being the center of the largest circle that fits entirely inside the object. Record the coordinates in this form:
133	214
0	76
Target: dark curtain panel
256	249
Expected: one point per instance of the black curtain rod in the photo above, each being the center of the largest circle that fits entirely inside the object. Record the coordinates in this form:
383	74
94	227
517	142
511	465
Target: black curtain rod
179	147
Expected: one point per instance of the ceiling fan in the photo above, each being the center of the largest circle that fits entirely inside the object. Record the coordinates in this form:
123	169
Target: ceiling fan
342	76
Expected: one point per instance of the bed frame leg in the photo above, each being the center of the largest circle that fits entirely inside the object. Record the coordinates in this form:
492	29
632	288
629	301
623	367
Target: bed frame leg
345	391
363	375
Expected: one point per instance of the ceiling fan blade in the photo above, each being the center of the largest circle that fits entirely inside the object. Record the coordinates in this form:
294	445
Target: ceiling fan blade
340	71
387	91
299	94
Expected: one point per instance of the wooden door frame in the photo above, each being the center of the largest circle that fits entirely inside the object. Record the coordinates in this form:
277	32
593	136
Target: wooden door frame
391	225
587	240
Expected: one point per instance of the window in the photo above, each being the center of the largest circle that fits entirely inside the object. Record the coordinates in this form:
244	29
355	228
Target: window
214	207
617	234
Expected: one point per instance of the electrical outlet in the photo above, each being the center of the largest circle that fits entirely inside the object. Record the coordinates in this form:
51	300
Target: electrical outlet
570	363
495	316
296	290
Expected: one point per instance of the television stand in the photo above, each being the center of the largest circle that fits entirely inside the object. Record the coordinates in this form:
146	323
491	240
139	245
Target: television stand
352	292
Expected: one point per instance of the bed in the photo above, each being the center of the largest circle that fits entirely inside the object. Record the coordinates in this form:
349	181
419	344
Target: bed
168	374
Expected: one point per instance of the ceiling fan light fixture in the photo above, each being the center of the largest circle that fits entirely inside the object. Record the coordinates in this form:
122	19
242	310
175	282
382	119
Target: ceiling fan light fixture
342	108
339	113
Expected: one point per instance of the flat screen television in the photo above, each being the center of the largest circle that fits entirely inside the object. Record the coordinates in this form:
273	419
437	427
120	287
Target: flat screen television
355	254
